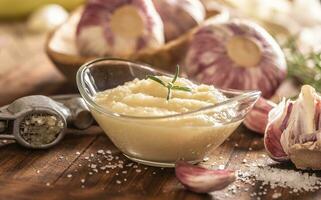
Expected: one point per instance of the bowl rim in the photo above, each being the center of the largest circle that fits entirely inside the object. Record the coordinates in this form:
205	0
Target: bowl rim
243	94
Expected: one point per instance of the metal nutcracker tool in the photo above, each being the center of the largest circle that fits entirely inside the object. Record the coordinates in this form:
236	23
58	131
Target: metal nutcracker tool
40	122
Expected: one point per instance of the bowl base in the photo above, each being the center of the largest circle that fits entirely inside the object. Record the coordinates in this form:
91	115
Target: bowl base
156	164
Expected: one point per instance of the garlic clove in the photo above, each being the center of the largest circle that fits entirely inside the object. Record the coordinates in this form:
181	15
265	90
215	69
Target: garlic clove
277	120
202	180
256	120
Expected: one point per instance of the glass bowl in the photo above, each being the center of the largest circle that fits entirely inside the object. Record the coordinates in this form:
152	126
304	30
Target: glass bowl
160	141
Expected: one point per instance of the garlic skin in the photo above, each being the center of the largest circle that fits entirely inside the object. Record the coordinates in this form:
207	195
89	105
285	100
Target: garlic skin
202	180
257	119
179	16
119	28
293	131
236	55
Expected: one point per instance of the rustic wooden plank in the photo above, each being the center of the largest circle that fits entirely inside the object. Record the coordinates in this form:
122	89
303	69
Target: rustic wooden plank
43	166
147	181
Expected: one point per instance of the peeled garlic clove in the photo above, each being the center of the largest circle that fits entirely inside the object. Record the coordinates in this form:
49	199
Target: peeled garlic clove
119	28
179	16
256	120
236	55
201	180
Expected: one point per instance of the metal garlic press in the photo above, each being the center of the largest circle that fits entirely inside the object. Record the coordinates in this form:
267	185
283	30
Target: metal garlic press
40	122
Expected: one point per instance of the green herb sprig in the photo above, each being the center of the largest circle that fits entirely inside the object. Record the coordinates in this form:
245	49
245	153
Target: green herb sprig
304	67
170	85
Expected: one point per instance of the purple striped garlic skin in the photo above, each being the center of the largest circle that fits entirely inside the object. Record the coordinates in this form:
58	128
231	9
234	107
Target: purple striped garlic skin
119	28
294	128
179	16
236	55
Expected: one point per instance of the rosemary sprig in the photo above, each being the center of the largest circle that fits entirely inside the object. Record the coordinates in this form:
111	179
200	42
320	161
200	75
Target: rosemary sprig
170	85
304	67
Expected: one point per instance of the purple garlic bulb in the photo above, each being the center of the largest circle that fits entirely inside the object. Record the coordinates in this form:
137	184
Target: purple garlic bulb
294	130
236	55
119	28
179	16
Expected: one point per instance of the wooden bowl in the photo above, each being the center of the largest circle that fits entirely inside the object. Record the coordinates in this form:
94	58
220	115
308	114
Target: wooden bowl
61	47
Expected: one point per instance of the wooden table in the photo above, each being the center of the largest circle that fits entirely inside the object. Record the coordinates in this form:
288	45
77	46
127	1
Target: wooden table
57	173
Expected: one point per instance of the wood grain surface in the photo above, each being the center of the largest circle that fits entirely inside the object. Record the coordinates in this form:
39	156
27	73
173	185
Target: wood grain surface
57	173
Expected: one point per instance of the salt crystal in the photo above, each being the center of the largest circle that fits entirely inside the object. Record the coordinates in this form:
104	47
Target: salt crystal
38	171
69	175
221	167
108	152
100	151
206	159
92	155
93	166
276	195
48	184
82	180
138	170
77	153
118	182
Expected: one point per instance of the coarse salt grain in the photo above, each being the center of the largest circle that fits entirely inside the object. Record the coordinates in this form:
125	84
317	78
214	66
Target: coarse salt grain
108	152
276	195
69	175
100	151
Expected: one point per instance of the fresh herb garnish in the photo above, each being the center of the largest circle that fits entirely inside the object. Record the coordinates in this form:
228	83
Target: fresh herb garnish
304	67
170	85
